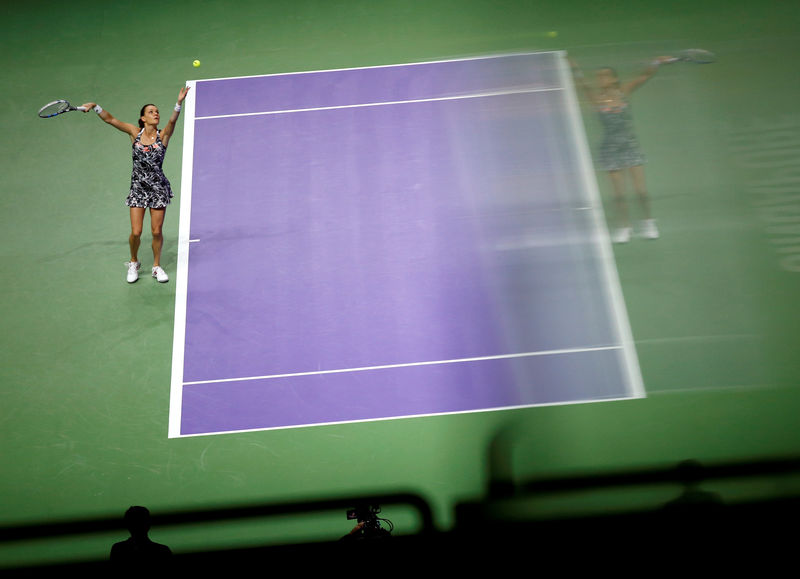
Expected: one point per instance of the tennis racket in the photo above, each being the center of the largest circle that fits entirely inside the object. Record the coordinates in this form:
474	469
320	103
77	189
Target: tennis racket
695	56
56	108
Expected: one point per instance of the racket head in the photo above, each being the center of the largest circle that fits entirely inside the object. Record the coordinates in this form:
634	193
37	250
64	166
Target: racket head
54	108
697	56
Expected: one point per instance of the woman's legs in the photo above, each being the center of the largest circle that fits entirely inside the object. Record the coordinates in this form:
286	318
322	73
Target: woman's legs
620	204
156	223
137	220
637	175
622	217
649	229
135	239
622	232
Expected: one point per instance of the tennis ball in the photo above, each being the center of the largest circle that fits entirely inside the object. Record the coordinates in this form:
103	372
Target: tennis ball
196	63
552	34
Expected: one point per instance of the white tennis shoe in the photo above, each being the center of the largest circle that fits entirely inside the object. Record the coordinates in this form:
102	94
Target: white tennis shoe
160	274
649	229
621	235
133	270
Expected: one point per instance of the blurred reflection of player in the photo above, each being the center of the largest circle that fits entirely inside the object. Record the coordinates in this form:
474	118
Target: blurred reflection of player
619	153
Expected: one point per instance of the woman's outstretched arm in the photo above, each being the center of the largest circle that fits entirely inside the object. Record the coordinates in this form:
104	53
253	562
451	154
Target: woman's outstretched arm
107	117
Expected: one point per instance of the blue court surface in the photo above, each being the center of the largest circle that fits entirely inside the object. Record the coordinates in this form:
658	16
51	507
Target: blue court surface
389	242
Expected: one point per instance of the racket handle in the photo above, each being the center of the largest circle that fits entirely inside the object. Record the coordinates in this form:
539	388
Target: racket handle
81	109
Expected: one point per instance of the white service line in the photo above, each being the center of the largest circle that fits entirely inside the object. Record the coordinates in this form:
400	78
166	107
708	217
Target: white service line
387	103
410	364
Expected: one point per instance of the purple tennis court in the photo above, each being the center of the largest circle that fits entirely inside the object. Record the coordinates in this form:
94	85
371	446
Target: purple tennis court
390	242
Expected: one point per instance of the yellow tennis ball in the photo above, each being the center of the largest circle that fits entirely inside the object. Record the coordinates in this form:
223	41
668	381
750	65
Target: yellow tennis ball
196	63
552	34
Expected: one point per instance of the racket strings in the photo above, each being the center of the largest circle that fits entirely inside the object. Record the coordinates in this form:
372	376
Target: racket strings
54	108
697	55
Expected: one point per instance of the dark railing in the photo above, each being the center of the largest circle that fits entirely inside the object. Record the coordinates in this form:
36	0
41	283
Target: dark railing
212	515
479	531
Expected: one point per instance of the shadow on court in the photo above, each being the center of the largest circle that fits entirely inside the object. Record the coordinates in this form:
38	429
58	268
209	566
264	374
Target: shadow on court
500	526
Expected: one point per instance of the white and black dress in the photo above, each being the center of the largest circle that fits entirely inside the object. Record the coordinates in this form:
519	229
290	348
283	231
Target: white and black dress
620	147
149	185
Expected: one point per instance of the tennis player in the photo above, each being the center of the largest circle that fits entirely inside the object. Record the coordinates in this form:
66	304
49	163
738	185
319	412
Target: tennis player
150	188
620	154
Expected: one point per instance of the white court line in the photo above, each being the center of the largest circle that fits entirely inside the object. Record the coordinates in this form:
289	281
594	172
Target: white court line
386	103
410	364
616	302
407	416
182	268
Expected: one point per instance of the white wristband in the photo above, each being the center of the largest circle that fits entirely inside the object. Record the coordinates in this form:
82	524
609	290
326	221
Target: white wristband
98	109
177	107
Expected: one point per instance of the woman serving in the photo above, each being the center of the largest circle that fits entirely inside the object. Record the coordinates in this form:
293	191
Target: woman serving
150	188
619	152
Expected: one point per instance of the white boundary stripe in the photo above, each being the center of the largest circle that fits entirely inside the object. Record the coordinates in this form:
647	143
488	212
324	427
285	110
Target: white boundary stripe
406	416
410	364
602	245
387	103
374	66
182	273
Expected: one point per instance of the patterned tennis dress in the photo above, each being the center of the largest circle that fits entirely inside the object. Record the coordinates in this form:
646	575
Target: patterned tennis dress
620	147
149	185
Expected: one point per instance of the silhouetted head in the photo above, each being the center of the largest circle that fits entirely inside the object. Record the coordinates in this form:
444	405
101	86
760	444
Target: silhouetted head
689	471
137	520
